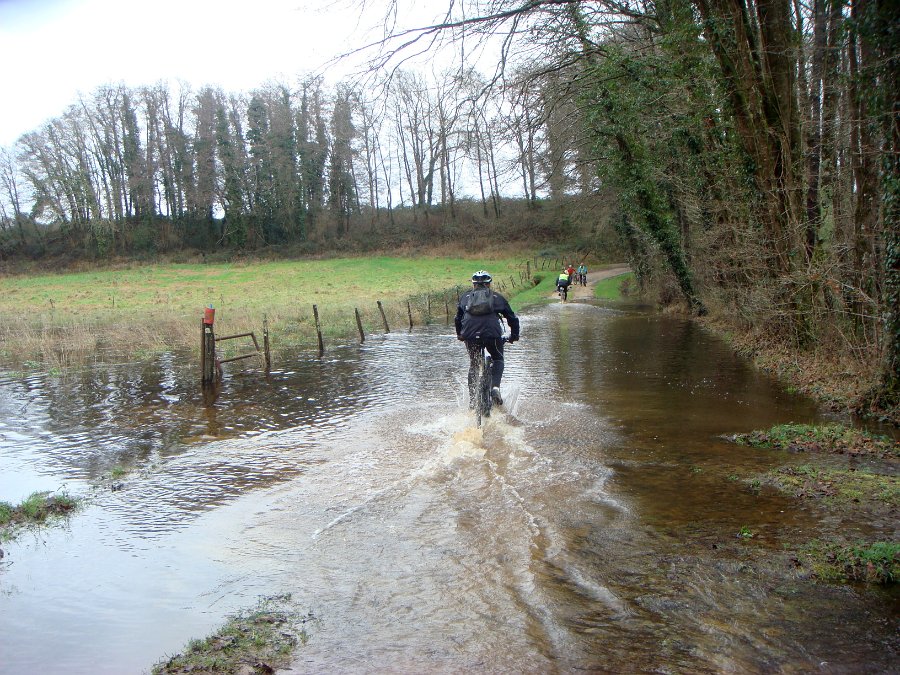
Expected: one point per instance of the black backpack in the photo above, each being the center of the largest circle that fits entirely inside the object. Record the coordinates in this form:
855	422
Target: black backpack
481	302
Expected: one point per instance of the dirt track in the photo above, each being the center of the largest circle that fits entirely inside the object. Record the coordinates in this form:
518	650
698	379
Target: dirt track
586	292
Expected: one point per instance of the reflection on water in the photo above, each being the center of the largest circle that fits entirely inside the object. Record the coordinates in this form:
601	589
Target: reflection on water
590	525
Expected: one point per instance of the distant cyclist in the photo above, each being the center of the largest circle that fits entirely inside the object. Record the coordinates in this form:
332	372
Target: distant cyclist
582	274
478	325
571	272
563	281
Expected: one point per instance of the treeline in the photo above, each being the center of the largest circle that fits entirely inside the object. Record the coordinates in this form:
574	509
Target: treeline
754	147
133	170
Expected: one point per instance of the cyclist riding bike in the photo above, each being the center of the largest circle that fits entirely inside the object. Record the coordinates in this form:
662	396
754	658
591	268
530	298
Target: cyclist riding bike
478	325
562	283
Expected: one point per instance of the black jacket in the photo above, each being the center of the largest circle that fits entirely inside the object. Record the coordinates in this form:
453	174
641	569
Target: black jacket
469	326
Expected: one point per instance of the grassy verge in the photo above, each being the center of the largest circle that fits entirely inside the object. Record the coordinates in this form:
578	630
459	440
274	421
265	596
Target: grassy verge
37	509
260	640
867	490
831	438
60	320
543	284
614	288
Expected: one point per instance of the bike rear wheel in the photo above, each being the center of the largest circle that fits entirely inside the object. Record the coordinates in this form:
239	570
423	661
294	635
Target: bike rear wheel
483	401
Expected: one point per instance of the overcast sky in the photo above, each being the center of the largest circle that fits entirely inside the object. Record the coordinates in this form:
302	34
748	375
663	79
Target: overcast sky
50	50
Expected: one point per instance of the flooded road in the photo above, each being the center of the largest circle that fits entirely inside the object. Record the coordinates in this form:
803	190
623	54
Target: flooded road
591	525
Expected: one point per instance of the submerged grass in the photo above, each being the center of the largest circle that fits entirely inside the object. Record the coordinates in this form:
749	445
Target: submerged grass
865	487
840	487
259	640
36	509
869	487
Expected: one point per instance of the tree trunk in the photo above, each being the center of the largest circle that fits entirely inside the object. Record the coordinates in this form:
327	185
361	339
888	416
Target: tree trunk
757	63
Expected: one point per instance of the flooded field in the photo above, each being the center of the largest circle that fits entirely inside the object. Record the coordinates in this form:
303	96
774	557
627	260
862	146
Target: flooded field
591	525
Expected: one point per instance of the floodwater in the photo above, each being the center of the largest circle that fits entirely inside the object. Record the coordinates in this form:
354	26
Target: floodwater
590	526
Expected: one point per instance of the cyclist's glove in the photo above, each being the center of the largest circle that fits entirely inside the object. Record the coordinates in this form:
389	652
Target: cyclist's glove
460	338
513	338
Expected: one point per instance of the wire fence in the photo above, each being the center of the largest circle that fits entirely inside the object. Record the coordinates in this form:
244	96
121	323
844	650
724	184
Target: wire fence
322	326
418	309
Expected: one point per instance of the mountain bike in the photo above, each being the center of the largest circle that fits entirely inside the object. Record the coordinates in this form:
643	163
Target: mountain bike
563	292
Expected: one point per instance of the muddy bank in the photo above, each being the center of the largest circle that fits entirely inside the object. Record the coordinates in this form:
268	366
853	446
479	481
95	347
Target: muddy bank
841	383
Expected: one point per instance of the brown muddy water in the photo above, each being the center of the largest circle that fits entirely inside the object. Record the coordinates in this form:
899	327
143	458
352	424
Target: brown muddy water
591	526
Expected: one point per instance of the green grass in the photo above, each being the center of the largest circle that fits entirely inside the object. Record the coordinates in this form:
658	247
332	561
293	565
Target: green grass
877	562
833	438
536	294
611	289
59	319
543	291
36	509
134	294
255	641
841	487
118	472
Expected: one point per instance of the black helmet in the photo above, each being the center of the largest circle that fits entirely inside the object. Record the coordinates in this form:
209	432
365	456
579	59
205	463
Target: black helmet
481	277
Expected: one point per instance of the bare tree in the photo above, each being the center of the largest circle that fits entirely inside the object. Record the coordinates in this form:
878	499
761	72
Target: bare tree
13	189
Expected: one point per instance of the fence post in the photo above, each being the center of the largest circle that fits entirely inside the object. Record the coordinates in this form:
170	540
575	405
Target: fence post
203	352
318	330
208	365
409	313
362	335
268	354
383	317
447	308
207	353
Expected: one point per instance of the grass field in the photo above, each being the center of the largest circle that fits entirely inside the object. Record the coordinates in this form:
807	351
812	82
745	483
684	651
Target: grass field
611	289
58	320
